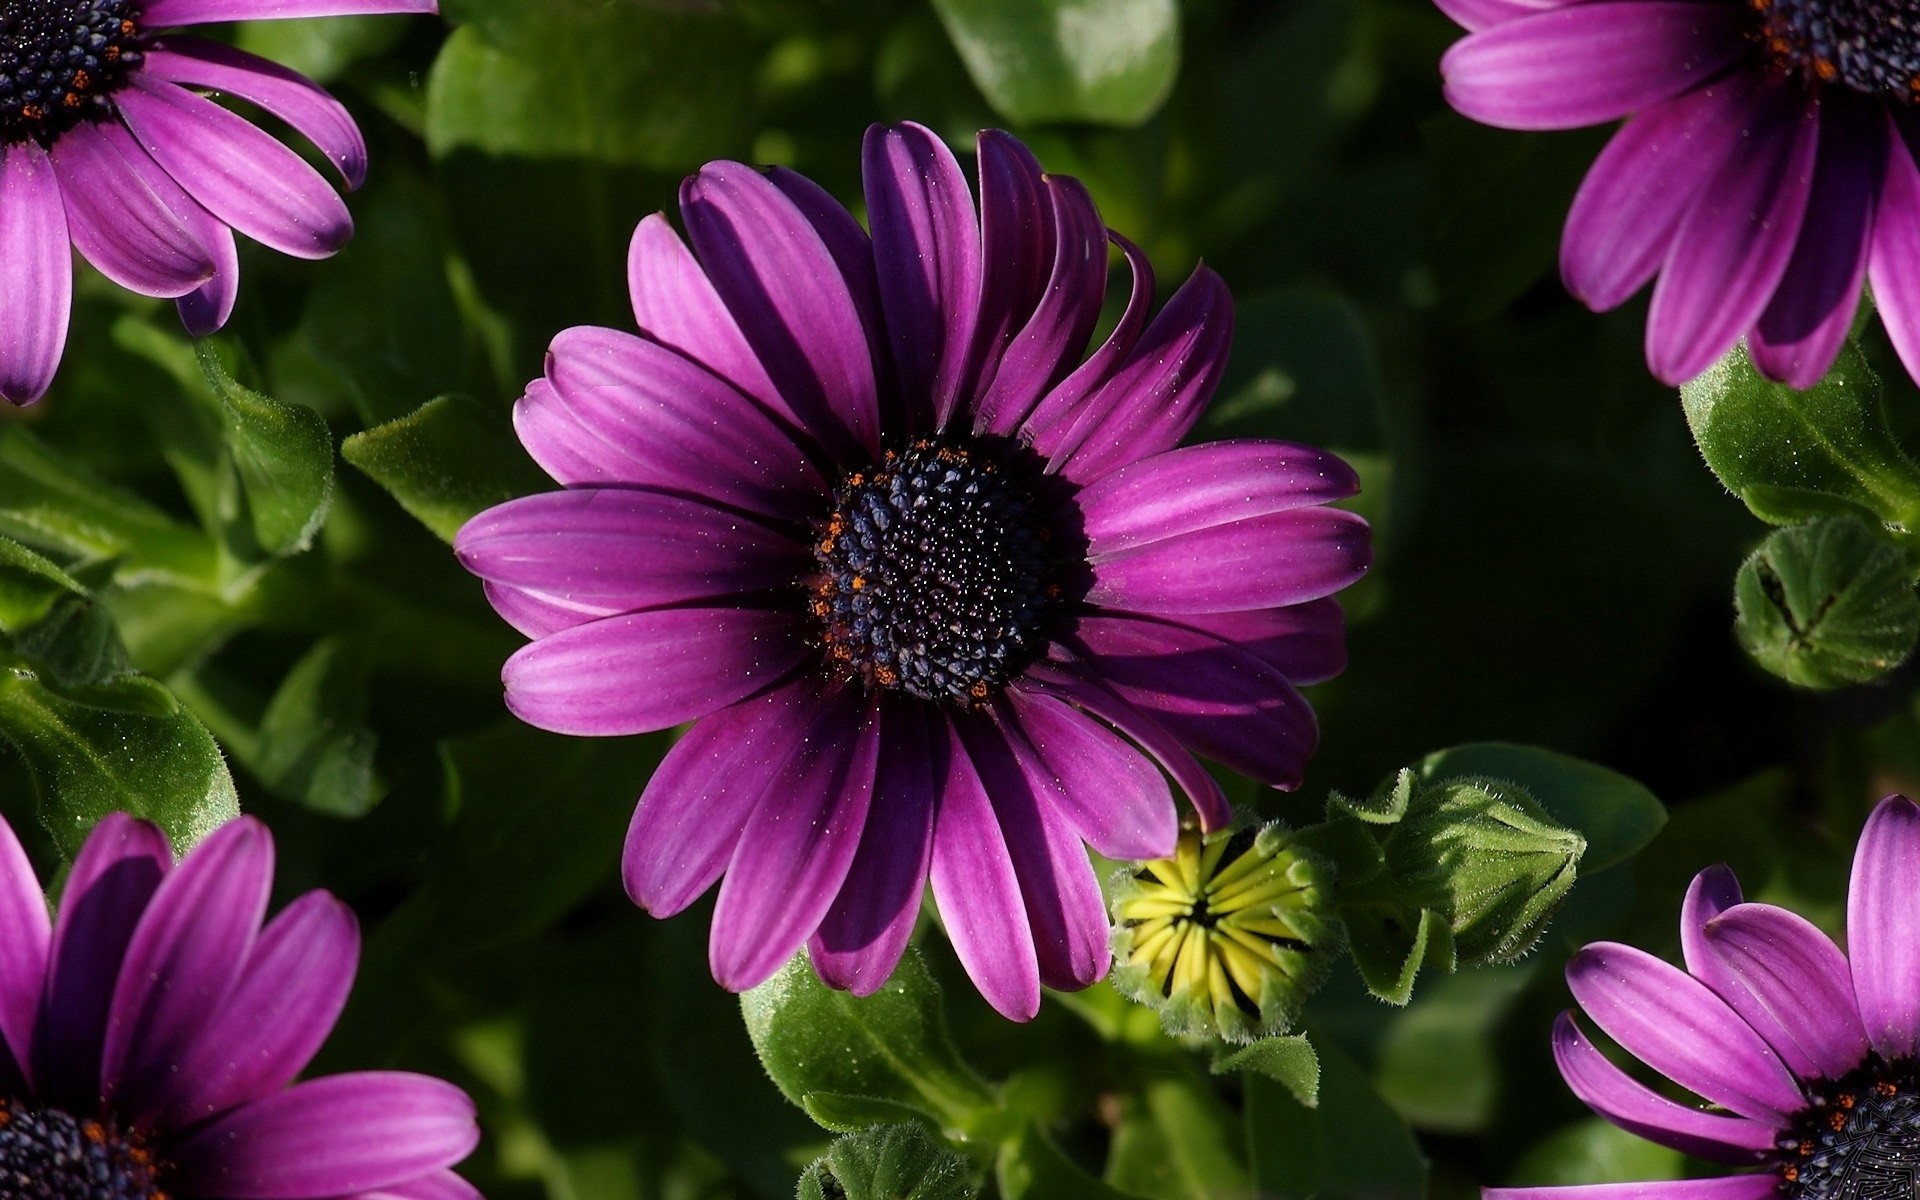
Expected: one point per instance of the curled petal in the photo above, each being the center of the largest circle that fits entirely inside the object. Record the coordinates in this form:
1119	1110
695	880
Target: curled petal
1883	910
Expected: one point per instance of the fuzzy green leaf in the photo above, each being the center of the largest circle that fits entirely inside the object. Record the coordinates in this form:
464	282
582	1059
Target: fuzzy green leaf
1827	604
1064	60
282	457
888	1162
445	462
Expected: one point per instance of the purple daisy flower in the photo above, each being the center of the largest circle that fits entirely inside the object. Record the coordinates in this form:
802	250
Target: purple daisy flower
1811	1060
107	143
938	593
149	1033
1767	169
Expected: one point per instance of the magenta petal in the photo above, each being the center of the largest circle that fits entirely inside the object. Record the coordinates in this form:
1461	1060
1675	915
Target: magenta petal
113	879
860	940
1791	983
289	95
620	549
1065	910
1054	424
1586	64
238	173
1762	1185
1110	793
205	309
1640	1110
1475	15
1199	487
27	934
1018	243
768	263
1621	225
689	818
184	958
1678	1026
1305	642
978	894
926	245
1733	246
285	1003
1894	262
643	671
538	614
797	846
36	273
1883	911
120	222
165	14
440	1185
1267	561
329	1137
1712	892
675	305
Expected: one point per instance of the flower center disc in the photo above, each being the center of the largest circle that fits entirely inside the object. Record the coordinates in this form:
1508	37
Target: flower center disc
47	1155
934	576
1871	46
1861	1144
59	60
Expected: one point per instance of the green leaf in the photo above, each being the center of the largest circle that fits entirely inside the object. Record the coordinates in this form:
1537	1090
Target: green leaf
321	48
888	1162
1827	604
1289	1060
1392	945
1616	815
315	746
1030	1167
1179	1141
1438	1063
282	456
54	622
1791	456
445	462
1111	63
844	1114
1592	1152
890	1046
1351	1145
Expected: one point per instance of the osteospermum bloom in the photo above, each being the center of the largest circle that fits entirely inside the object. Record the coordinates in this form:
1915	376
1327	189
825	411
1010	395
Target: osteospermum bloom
150	1032
1811	1056
1766	171
937	592
107	143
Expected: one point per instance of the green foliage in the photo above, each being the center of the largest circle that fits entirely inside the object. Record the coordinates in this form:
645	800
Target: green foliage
1289	1060
1059	60
282	462
445	462
888	1162
1350	1145
1827	604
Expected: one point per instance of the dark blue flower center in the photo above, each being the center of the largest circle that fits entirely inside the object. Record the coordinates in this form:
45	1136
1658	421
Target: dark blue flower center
1871	46
935	575
46	1154
59	60
1860	1140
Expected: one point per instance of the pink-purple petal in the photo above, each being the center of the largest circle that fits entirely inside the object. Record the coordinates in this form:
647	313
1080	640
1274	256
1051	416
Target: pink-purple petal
1267	561
440	1185
1761	1185
1894	261
1475	15
1791	983
1712	892
26	933
675	305
1883	911
165	14
1680	1027
639	672
287	94
36	273
1305	642
205	310
1199	487
329	1137
1587	64
1112	795
119	221
1054	420
538	614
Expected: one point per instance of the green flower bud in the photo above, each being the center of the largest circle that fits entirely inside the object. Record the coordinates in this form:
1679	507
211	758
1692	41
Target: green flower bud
888	1162
1827	604
1228	937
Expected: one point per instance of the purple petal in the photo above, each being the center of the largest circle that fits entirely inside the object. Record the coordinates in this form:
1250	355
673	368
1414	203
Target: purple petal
538	614
1057	416
1475	15
1883	910
1640	1110
1586	64
1199	487
1065	910
286	1001
675	305
1712	892
1305	642
639	672
1791	983
167	14
1268	561
1677	1025
23	949
690	816
617	409
1812	309
1764	1185
1733	246
1018	242
113	879
441	1185
205	310
620	549
1894	262
289	95
119	219
861	938
330	1137
926	246
1621	225
1160	390
1097	699
1110	793
797	846
183	960
795	307
36	273
1215	697
852	252
235	171
978	894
